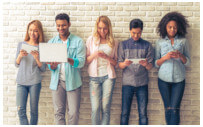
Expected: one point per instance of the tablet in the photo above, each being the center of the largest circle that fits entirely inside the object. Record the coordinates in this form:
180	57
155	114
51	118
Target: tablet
28	48
53	52
136	61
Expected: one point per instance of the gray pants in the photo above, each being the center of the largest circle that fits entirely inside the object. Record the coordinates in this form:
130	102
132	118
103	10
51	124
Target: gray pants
59	100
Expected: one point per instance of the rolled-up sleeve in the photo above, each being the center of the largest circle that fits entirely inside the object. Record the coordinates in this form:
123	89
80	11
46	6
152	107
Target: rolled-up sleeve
157	54
186	53
79	61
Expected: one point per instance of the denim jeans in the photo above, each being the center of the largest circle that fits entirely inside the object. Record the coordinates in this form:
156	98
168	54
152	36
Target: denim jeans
101	90
21	101
142	100
172	94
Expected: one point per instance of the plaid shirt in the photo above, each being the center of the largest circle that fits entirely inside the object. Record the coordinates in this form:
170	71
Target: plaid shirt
135	74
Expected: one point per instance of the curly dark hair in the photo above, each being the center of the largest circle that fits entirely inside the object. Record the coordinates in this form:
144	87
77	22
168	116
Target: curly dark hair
180	19
62	16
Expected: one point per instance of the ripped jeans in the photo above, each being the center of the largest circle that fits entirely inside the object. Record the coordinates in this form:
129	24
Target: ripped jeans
101	90
172	94
21	102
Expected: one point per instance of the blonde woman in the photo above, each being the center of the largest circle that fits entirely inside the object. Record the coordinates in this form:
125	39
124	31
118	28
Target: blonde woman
102	58
28	77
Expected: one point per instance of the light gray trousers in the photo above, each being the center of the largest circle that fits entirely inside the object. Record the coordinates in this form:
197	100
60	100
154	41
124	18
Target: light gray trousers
60	97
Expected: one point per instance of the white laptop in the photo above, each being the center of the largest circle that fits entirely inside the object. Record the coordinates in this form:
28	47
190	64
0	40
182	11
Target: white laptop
53	52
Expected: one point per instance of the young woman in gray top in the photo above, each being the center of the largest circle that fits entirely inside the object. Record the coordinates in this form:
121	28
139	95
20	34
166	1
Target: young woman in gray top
28	77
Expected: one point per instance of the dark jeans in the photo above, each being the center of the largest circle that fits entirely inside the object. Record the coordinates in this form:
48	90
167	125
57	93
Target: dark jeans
142	100
21	101
172	94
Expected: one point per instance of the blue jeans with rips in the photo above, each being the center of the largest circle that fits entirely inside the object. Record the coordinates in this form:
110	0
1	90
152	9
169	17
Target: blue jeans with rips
101	90
171	94
21	101
141	93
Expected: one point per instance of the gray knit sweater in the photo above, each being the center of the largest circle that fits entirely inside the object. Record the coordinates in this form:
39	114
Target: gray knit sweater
29	72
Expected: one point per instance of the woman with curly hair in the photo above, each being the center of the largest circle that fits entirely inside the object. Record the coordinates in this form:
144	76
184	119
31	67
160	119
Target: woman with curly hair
172	55
102	58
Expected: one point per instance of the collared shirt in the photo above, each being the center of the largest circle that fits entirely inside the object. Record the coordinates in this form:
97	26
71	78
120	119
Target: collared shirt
77	51
92	45
28	72
135	74
172	70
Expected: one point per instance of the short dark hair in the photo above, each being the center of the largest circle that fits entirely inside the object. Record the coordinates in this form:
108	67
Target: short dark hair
180	19
136	23
62	16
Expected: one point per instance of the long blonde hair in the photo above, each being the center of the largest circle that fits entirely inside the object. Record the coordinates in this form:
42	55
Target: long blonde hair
109	36
40	29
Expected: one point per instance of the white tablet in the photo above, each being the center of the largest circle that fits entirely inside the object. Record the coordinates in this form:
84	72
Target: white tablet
28	48
53	52
136	61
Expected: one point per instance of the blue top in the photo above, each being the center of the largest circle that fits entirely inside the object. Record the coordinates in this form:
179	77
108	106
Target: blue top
28	72
135	74
172	70
77	51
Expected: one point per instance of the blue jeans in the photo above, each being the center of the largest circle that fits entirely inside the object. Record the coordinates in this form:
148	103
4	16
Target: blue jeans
101	89
172	94
142	100
21	101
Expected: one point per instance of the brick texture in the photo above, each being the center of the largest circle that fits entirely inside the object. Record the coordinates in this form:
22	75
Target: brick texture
83	16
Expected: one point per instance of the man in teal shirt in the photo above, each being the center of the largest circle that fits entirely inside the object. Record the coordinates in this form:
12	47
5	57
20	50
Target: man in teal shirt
65	78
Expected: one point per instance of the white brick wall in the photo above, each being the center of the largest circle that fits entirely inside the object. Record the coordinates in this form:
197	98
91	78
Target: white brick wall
83	16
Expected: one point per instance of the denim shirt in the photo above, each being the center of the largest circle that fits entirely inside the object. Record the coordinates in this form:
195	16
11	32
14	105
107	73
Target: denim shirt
77	51
172	70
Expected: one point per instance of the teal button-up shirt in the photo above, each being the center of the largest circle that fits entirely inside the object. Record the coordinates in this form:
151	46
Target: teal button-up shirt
172	70
77	51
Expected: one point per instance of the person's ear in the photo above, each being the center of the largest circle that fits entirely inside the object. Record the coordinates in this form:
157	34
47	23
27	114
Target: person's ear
69	24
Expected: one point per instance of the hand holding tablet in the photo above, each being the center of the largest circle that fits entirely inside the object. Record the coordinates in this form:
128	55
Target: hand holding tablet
28	48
